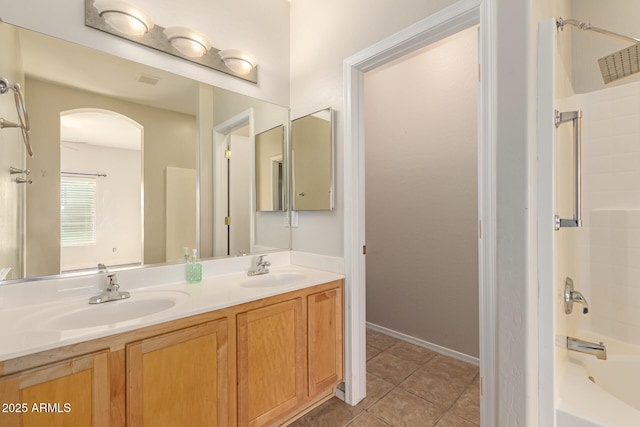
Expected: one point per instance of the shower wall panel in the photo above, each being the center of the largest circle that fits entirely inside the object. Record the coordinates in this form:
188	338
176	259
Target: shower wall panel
611	207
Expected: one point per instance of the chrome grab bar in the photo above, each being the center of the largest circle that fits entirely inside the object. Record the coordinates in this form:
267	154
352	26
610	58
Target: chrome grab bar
576	118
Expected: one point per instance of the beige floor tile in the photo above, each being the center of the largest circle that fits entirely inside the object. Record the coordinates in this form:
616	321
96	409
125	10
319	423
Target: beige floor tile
426	390
334	412
380	341
367	420
376	388
411	352
450	420
402	409
372	352
391	368
468	405
452	367
441	380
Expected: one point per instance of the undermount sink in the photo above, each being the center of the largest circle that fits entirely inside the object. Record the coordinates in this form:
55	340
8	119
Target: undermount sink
274	278
141	304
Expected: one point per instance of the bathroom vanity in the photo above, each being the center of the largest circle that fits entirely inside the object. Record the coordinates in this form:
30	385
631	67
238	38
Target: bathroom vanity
231	350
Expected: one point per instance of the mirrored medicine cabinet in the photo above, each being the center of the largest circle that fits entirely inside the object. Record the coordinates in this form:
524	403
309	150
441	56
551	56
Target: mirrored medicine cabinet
312	161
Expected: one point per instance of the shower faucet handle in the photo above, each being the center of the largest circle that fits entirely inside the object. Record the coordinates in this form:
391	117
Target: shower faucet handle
571	296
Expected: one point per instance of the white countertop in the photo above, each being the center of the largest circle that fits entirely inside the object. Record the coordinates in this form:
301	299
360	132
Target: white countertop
31	328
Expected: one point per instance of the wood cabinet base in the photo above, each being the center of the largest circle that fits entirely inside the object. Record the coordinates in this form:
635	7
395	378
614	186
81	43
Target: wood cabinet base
261	363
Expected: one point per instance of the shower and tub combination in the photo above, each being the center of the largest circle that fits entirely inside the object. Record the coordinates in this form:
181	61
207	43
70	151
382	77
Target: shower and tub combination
591	365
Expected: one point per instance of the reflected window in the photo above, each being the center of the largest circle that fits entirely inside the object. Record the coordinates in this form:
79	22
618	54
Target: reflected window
77	212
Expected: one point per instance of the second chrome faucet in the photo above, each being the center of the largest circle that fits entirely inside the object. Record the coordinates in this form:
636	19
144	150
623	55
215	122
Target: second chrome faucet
261	266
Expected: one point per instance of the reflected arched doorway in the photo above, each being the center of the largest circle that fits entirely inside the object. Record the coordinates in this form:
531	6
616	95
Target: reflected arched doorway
101	187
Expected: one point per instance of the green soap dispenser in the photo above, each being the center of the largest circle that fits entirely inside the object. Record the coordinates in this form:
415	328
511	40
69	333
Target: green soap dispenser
194	268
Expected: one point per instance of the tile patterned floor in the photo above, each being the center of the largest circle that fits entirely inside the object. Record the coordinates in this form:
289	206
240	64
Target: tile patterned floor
407	386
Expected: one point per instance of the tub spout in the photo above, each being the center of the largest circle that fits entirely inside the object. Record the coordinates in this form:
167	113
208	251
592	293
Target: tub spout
598	350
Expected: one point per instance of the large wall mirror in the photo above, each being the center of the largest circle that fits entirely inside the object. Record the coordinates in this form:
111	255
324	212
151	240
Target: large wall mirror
270	171
124	167
312	161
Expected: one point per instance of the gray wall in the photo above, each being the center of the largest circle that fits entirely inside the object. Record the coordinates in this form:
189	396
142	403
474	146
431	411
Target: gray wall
421	194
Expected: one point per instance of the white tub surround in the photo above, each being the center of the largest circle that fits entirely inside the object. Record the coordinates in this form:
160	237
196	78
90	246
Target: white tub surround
596	392
35	308
614	241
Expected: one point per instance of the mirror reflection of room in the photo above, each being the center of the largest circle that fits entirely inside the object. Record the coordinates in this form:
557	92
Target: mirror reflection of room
165	198
100	189
238	192
312	161
270	170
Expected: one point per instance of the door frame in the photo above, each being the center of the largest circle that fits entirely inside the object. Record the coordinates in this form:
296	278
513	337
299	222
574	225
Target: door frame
545	252
220	134
453	19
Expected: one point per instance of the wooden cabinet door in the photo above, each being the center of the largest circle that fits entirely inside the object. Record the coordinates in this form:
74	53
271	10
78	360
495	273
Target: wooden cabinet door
179	378
72	393
271	362
325	340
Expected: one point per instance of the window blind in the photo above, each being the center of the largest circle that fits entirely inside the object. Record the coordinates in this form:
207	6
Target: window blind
77	211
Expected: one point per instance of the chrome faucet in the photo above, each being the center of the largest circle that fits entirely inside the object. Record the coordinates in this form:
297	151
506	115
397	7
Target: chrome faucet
598	350
261	266
571	296
111	291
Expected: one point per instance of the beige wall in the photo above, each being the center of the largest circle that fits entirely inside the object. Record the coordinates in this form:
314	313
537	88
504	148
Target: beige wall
205	120
13	154
421	194
169	140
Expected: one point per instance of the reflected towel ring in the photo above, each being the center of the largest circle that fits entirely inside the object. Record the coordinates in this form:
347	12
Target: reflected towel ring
21	108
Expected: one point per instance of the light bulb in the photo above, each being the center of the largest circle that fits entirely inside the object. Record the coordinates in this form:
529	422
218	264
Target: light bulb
238	61
124	17
187	41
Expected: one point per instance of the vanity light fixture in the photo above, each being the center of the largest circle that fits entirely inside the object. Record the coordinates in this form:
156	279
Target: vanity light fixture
189	42
124	17
238	61
121	19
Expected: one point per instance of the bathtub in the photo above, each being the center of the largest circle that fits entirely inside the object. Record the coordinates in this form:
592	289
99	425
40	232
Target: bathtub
596	392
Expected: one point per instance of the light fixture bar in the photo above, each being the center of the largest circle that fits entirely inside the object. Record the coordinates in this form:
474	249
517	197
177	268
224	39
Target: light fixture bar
155	38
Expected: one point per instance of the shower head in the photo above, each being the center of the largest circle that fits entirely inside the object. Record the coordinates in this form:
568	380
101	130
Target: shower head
620	64
617	65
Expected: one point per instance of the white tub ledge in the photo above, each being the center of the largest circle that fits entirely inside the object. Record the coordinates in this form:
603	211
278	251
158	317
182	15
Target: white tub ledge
582	403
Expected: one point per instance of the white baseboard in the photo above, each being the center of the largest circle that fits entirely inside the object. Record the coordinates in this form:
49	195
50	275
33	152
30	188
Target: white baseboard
434	347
